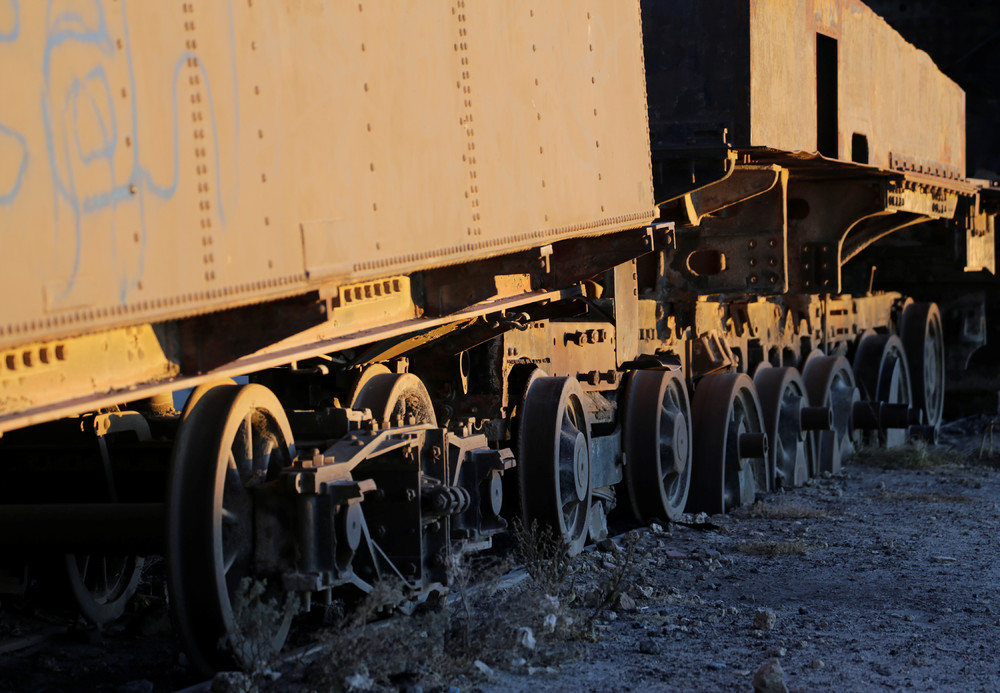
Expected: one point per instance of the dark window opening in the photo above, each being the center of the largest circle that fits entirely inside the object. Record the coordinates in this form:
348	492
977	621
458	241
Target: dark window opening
826	96
859	148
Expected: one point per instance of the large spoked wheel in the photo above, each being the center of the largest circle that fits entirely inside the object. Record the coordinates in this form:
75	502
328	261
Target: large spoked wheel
554	467
730	445
657	444
923	340
884	377
784	405
830	383
102	585
396	399
233	438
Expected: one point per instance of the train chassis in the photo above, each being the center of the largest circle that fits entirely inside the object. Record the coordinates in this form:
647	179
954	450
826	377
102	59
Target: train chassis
324	476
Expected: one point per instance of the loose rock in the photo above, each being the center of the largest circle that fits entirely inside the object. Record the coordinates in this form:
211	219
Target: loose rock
626	603
238	682
770	678
649	647
764	619
607	546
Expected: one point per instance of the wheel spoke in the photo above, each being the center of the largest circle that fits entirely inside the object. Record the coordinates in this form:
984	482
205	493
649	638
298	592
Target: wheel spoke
101	586
228	562
229	517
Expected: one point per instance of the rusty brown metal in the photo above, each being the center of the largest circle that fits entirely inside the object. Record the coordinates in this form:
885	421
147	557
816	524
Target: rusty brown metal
758	78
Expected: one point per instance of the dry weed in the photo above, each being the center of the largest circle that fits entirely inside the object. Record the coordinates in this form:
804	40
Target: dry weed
544	556
773	548
904	497
614	584
915	455
781	510
259	614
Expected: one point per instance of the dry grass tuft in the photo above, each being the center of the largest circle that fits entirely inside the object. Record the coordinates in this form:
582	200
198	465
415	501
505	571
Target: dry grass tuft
915	455
258	613
782	510
905	497
773	548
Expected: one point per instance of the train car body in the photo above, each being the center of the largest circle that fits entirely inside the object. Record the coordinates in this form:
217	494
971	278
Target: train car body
167	160
478	261
826	77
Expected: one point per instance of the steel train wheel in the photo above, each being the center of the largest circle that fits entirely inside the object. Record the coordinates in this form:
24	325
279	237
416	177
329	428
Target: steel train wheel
232	439
101	585
729	445
783	402
554	465
657	439
923	341
830	382
884	376
396	399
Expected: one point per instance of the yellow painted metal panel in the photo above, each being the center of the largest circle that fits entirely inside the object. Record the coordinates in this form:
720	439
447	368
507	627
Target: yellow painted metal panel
163	159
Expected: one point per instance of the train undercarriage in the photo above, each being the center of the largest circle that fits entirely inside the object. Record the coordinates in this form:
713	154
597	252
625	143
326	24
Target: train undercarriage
683	367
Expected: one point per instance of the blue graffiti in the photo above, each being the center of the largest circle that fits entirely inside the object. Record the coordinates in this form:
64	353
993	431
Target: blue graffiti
81	130
6	197
68	28
83	139
11	34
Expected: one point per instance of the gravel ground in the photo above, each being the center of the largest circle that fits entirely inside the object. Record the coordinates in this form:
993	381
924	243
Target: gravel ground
874	578
894	586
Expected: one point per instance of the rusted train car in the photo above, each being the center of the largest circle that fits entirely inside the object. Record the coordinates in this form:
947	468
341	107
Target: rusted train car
478	262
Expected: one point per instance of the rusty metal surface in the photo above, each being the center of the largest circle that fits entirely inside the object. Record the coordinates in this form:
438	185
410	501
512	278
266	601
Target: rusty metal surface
168	159
961	39
757	77
71	387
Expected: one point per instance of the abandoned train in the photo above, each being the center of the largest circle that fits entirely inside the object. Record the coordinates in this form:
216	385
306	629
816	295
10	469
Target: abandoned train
470	262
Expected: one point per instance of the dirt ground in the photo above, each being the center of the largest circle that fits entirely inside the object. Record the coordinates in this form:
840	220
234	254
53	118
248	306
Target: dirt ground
875	578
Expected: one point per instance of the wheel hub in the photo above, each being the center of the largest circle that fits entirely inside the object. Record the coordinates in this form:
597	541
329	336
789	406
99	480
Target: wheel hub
581	465
679	446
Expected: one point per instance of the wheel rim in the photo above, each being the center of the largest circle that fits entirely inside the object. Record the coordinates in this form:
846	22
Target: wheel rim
101	585
829	382
730	444
232	439
657	444
923	340
792	452
554	467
